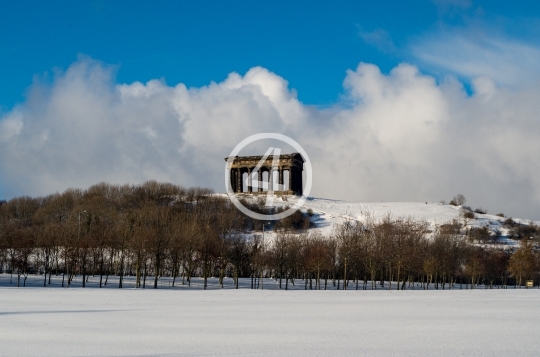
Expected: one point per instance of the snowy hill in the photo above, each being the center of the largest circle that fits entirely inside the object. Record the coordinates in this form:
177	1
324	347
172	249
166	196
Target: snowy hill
331	212
327	213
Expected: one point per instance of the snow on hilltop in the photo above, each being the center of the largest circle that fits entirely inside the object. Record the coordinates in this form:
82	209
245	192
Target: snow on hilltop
327	213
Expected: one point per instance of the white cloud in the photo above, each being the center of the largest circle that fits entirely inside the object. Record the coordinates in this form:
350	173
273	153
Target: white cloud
472	53
381	39
397	137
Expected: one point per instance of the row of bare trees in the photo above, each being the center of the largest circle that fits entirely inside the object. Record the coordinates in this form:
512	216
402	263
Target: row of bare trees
147	230
159	229
398	253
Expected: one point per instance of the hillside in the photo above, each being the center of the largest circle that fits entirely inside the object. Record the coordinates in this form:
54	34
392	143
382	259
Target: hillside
327	213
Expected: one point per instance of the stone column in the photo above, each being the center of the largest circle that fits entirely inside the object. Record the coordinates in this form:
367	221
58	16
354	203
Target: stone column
270	181
293	177
233	179
300	188
290	178
280	179
295	180
240	186
259	178
250	181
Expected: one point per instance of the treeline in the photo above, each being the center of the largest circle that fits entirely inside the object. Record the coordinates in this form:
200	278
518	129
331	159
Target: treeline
159	229
407	252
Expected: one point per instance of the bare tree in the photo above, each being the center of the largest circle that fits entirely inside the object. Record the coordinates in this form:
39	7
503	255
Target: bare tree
458	200
523	262
318	258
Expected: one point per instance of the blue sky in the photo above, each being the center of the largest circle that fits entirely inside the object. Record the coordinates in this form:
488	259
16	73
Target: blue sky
418	100
311	44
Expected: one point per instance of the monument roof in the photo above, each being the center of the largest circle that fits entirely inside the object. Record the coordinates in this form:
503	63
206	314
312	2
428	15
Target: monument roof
294	155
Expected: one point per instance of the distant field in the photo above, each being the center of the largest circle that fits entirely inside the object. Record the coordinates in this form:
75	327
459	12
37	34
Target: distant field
129	322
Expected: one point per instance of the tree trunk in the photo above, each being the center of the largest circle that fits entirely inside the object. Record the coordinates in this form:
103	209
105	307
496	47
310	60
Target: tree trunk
325	281
156	272
121	278
45	272
138	272
83	275
144	276
205	276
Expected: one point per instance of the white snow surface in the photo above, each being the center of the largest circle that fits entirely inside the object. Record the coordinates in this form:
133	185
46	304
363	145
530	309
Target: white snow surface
129	322
328	213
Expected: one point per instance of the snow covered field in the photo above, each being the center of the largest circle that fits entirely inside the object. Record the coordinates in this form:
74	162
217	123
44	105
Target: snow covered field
165	282
189	321
128	322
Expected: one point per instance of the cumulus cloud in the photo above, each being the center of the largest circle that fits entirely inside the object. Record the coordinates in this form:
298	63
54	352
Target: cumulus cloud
400	136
